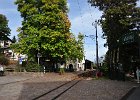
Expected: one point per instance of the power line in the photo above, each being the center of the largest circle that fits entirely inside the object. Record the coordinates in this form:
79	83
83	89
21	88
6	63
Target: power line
90	11
80	11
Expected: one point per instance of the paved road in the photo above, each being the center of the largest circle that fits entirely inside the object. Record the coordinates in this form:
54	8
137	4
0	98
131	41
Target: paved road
134	94
87	89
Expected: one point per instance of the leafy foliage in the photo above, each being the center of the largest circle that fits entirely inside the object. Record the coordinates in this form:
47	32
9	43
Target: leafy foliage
4	29
14	40
4	60
77	49
31	66
105	67
45	29
119	17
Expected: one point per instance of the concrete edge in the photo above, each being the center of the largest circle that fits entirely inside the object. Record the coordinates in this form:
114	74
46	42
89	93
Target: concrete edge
129	93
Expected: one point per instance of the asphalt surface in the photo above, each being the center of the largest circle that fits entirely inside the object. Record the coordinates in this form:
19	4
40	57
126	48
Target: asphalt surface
134	94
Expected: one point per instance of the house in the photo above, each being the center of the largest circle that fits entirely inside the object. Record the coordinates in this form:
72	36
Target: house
75	65
5	49
88	64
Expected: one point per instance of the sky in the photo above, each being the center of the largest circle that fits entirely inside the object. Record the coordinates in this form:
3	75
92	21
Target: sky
81	15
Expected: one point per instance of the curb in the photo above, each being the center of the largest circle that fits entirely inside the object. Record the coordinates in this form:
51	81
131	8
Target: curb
130	92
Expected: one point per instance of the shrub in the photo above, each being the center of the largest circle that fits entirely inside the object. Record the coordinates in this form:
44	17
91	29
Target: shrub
32	67
4	60
104	69
24	63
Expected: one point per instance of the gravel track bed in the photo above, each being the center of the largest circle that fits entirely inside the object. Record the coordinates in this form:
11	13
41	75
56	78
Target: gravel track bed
98	90
27	87
30	87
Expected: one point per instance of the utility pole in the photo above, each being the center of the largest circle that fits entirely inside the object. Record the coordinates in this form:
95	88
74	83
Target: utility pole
96	38
97	61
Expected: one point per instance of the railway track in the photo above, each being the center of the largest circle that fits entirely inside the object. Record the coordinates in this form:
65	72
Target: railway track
15	82
54	93
58	91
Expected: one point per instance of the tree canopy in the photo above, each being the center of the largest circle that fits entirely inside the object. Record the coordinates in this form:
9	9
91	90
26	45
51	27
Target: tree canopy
4	29
14	40
119	17
45	29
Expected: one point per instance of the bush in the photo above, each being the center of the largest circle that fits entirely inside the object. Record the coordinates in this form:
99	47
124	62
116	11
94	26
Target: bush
24	63
32	67
4	60
104	69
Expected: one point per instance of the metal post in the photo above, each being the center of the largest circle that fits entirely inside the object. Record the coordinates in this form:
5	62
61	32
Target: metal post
44	69
38	60
137	71
38	56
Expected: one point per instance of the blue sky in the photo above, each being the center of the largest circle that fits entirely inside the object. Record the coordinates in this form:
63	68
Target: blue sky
81	15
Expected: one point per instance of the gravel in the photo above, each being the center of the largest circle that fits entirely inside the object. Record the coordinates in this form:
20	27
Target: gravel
29	87
98	90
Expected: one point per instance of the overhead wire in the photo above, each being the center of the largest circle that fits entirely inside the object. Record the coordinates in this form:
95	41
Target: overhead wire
80	12
83	25
90	11
99	34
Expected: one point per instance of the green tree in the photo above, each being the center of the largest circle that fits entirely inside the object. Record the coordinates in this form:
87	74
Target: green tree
4	29
77	48
80	46
45	29
119	17
14	40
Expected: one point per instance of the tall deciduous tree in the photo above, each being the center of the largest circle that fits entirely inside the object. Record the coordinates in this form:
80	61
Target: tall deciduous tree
119	17
45	29
77	48
4	29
